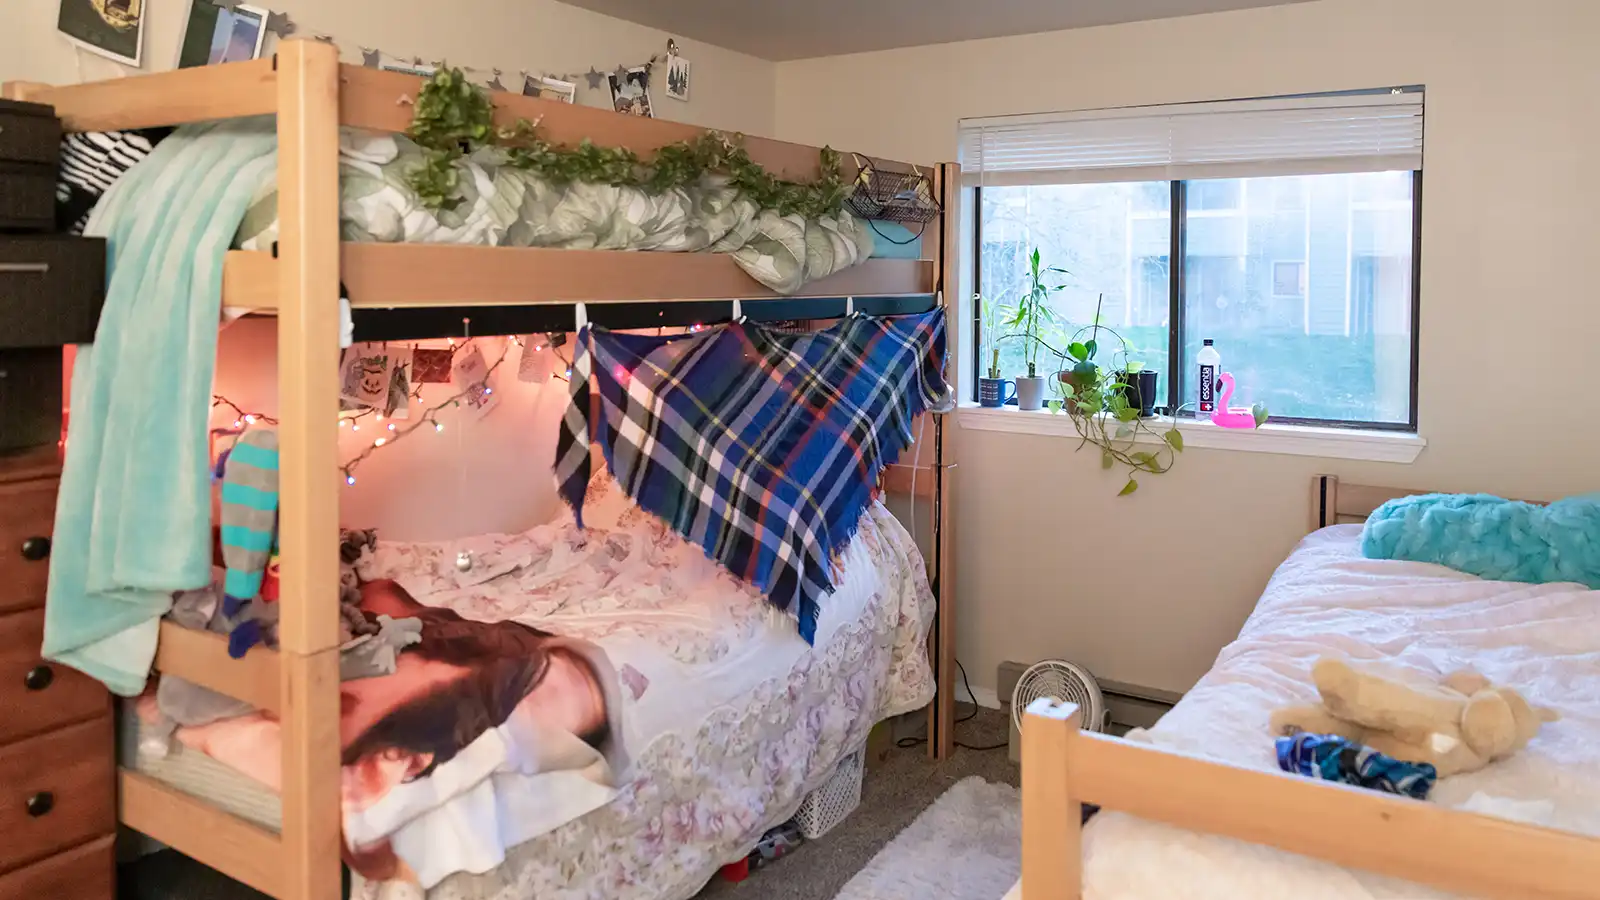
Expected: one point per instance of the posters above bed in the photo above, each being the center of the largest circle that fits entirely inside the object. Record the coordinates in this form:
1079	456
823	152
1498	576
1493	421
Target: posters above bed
763	447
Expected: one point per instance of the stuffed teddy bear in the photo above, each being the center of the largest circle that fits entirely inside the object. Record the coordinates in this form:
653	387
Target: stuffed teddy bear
1460	724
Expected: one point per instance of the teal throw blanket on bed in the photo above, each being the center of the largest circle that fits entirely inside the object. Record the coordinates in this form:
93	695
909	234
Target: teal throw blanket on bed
133	521
1502	540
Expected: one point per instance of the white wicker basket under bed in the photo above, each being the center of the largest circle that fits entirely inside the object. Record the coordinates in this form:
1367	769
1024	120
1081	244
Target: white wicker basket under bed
828	805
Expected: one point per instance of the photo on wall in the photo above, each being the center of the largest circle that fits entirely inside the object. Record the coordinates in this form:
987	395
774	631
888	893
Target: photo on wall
550	89
110	28
631	94
409	68
214	35
677	78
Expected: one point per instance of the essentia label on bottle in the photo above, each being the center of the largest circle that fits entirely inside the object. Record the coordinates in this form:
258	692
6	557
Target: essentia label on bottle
1208	390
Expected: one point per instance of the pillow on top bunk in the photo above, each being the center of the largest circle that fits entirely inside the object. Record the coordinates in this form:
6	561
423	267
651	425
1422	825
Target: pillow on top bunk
1501	540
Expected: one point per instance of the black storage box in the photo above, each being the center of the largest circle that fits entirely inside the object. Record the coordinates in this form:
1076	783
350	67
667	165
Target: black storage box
51	290
30	398
30	154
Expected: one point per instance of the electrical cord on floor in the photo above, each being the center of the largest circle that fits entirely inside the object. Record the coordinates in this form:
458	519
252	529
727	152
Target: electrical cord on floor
908	742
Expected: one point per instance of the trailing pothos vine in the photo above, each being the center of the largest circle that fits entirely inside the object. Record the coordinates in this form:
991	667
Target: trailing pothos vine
1096	399
454	118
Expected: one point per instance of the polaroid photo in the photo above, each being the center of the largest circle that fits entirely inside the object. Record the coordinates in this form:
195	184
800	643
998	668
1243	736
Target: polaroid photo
550	89
406	68
470	373
215	35
366	373
398	404
678	78
535	364
113	29
430	365
631	95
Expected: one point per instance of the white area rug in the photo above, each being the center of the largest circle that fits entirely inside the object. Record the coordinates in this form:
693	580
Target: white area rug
966	846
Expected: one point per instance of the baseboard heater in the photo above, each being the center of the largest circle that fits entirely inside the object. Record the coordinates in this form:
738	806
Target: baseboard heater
1130	705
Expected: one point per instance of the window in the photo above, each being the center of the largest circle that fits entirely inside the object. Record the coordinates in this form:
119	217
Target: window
1294	249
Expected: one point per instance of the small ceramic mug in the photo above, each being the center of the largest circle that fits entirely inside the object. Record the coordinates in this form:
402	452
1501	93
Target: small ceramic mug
992	392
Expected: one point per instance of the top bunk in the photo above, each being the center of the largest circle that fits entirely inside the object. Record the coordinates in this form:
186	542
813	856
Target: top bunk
414	275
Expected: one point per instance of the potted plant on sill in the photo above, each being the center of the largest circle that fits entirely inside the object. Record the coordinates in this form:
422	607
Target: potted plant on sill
1108	415
1113	408
992	389
1031	316
1139	386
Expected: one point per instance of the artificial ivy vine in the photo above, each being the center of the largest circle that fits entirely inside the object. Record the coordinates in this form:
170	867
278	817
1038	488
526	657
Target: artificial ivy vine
454	118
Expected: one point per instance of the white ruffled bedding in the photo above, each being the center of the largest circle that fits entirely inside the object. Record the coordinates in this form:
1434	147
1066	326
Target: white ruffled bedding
738	718
1327	599
729	717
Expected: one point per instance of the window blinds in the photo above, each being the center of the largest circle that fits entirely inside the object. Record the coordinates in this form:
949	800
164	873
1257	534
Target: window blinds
1308	135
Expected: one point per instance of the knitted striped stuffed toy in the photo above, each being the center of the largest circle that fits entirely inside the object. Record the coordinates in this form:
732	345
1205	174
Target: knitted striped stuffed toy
249	535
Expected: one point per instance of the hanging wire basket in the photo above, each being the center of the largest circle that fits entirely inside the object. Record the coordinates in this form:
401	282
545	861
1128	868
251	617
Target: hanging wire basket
904	197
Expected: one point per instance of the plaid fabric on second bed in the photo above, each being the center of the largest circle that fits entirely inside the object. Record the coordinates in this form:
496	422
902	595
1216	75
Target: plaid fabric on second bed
760	446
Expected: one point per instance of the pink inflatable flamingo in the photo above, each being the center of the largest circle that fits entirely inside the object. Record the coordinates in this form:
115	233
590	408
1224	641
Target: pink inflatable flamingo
1231	418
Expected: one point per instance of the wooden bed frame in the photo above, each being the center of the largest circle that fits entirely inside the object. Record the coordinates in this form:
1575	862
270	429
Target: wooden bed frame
1064	768
312	95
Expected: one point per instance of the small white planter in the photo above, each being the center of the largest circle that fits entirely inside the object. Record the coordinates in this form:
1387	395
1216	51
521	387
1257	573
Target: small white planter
1030	392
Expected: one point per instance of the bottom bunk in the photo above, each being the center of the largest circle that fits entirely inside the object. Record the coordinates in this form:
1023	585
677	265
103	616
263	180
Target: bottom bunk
1408	619
719	717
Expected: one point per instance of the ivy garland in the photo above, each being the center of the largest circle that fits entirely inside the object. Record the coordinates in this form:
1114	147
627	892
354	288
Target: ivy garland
454	118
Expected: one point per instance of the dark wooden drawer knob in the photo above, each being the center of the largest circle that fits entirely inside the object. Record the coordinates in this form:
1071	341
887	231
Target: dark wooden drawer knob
35	548
41	803
39	678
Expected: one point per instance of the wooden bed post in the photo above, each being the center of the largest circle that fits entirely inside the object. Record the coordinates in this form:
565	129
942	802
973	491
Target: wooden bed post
1324	501
943	732
308	361
1052	817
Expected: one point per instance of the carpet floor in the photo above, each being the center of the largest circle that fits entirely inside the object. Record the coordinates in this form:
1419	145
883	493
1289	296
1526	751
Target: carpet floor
966	846
893	794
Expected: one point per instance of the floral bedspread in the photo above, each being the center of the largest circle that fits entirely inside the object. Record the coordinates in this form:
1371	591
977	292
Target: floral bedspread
731	717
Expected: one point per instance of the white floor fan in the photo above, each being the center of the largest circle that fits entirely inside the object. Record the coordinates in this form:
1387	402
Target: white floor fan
1061	681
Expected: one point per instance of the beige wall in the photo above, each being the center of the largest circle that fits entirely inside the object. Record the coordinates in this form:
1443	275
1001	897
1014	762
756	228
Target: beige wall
730	90
1147	589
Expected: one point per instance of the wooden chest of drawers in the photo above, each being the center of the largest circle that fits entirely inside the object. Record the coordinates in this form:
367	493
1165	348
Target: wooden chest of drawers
57	757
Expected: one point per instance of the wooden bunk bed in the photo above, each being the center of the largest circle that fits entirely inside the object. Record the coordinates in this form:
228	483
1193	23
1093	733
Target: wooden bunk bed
312	95
1064	768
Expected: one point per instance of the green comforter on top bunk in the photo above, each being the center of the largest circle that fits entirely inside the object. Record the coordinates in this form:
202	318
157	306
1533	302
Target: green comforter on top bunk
512	208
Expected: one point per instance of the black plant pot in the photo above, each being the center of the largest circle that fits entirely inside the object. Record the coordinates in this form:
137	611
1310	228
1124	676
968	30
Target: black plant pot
1140	389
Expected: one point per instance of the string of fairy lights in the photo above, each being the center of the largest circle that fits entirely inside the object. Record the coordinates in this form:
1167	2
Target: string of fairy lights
392	432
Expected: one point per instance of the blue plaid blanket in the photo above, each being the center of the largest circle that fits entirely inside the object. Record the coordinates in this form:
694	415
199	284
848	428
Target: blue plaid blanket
762	446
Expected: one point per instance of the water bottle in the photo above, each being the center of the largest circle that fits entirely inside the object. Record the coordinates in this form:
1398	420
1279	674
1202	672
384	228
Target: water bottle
1210	366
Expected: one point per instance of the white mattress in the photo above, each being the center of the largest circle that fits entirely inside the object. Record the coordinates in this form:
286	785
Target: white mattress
736	718
1326	599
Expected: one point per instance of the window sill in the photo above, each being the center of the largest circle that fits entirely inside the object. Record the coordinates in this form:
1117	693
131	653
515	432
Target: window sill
1288	440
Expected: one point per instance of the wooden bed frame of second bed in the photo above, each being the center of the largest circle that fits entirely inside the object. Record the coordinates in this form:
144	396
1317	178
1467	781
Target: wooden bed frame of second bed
304	85
1064	767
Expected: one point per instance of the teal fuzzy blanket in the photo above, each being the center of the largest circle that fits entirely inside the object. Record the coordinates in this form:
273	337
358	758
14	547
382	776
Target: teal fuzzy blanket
1502	540
134	513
